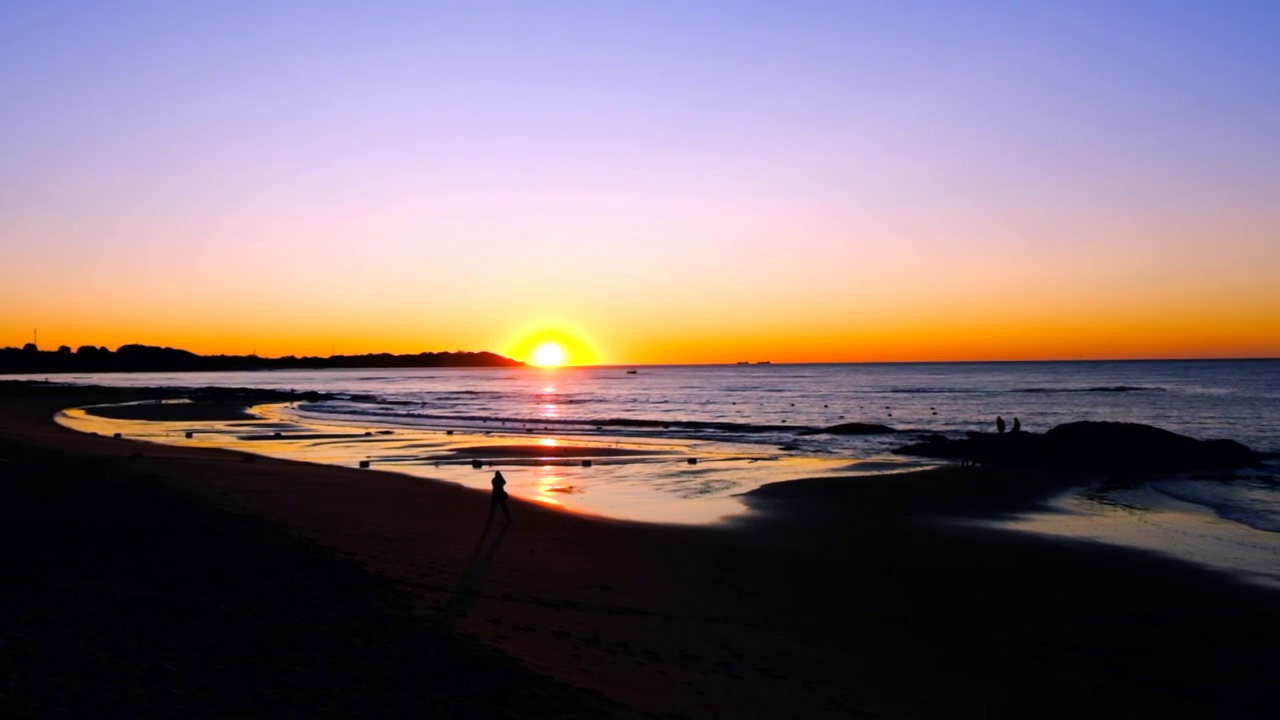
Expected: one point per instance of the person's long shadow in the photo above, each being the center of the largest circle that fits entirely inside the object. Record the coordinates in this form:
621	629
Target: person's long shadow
471	582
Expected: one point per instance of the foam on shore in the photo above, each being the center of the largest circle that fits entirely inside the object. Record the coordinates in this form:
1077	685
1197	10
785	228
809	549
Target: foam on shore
1144	517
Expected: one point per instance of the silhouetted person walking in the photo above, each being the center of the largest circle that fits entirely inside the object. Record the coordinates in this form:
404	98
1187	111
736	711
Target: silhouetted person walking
1017	426
499	497
999	424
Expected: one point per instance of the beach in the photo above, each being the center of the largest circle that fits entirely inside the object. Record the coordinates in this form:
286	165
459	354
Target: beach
832	597
698	360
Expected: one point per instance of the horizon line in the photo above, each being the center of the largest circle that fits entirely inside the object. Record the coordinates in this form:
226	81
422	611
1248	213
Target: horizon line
939	362
729	363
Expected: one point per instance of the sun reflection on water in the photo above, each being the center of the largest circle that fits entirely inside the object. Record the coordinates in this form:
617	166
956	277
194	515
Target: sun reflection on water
549	483
613	477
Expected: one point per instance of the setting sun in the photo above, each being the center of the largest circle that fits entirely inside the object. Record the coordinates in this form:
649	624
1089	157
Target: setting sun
551	343
549	354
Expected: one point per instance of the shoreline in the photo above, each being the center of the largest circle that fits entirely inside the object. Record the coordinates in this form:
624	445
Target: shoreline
638	479
826	602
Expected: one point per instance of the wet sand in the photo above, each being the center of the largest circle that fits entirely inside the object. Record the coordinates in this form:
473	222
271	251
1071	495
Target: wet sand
834	598
184	411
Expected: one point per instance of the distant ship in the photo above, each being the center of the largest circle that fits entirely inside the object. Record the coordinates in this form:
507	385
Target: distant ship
744	362
632	372
763	362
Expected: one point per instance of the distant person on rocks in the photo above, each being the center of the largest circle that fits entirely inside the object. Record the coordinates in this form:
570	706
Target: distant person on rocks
1017	426
999	424
499	497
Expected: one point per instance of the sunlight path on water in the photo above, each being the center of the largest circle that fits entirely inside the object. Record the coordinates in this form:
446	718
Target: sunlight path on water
649	480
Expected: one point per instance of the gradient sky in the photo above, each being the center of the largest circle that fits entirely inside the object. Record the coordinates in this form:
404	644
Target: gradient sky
649	181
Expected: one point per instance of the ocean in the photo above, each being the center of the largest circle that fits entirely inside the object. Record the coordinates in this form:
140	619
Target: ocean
678	443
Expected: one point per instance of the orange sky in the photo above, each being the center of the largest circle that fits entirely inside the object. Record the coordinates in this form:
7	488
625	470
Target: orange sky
1027	183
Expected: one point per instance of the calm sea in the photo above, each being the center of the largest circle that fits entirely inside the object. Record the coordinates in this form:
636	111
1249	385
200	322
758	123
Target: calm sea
744	419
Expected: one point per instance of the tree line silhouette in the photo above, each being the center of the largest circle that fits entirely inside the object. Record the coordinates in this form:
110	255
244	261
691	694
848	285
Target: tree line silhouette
148	358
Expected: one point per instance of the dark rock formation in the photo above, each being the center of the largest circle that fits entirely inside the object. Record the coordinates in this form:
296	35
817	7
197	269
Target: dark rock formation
852	429
1093	447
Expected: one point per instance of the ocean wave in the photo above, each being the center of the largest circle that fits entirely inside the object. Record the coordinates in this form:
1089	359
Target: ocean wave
1033	390
1098	389
599	423
1249	501
1022	390
374	400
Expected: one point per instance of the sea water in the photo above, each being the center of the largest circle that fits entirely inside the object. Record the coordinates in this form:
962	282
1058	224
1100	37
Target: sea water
744	425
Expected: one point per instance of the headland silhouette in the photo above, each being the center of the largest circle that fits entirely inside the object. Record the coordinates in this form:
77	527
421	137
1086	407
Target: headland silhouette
148	358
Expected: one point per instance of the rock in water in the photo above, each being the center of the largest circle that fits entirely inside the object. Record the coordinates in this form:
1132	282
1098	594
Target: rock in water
1093	447
1132	446
852	429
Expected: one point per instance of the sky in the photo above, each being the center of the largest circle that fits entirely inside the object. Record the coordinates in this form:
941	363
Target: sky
644	182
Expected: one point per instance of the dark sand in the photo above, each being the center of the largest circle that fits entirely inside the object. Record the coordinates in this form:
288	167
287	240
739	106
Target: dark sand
839	598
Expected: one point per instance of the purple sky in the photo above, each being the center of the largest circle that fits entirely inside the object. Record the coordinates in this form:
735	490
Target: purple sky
850	180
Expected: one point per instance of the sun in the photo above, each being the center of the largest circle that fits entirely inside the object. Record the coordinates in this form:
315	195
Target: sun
549	354
551	343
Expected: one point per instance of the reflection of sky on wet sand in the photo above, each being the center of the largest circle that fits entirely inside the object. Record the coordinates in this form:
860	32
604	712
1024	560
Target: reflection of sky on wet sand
651	481
1144	518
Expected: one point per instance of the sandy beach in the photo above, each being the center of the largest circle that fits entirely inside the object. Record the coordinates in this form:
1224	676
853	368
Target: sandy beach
366	592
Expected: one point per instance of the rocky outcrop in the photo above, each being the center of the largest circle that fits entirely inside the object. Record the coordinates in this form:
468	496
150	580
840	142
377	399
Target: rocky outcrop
1094	447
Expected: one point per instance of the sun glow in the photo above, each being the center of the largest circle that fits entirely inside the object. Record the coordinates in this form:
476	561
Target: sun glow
549	354
551	343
